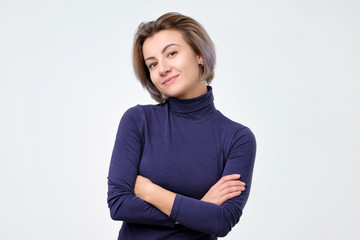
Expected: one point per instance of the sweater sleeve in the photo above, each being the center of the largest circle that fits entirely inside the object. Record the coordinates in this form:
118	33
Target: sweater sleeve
219	219
123	203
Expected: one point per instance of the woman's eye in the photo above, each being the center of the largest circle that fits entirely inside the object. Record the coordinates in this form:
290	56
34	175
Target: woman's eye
172	53
152	65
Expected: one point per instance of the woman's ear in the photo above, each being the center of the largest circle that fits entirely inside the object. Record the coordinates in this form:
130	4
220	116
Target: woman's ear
200	59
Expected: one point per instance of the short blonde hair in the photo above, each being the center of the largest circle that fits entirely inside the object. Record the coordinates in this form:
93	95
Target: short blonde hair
194	35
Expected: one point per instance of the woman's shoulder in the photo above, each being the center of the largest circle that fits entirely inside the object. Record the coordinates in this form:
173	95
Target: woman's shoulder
233	127
142	110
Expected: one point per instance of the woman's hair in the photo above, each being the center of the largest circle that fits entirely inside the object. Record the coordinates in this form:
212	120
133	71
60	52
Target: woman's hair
194	35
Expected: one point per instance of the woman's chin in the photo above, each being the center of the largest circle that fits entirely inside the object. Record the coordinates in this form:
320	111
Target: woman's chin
175	93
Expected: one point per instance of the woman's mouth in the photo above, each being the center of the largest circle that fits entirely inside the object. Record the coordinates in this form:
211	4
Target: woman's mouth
169	80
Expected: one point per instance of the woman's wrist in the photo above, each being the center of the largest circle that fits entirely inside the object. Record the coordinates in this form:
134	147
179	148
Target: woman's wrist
161	198
154	194
150	192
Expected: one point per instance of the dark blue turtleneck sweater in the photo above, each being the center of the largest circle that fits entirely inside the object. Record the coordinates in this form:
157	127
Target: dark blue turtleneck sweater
185	146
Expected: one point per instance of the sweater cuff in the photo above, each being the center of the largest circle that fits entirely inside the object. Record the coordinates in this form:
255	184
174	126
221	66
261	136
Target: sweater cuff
176	207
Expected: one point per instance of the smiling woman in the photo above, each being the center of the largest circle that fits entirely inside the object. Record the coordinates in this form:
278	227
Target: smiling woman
184	29
178	168
173	65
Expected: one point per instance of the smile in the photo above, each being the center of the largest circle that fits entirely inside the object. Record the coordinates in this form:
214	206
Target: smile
169	80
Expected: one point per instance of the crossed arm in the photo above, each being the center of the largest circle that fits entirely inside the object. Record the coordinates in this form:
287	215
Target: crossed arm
226	188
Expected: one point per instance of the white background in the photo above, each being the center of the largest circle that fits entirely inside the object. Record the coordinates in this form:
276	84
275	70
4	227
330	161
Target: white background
290	70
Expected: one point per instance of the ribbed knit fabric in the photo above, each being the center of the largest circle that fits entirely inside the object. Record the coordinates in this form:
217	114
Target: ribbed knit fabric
184	146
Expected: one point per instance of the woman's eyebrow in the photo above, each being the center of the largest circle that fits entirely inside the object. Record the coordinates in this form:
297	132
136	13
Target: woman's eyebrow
171	44
164	49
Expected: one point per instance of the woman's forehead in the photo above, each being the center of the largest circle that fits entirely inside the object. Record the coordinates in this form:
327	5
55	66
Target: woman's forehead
162	39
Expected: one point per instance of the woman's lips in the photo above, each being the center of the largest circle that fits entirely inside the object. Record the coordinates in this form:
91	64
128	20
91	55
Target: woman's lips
170	80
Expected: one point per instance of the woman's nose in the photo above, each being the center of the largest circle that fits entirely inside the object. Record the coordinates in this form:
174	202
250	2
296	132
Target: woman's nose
164	68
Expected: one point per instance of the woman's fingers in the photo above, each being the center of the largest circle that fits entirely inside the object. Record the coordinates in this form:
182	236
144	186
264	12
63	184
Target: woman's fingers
230	183
226	179
227	187
232	189
229	178
229	196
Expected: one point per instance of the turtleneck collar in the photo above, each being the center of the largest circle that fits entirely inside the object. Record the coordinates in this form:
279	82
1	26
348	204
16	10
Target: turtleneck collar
199	107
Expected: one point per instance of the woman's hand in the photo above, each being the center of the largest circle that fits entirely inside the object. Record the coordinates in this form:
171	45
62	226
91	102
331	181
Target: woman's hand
143	187
226	188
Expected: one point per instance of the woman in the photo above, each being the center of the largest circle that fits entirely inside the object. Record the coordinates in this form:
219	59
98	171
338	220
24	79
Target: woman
176	166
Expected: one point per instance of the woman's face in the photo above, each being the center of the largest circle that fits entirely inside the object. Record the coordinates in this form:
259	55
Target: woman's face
173	65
